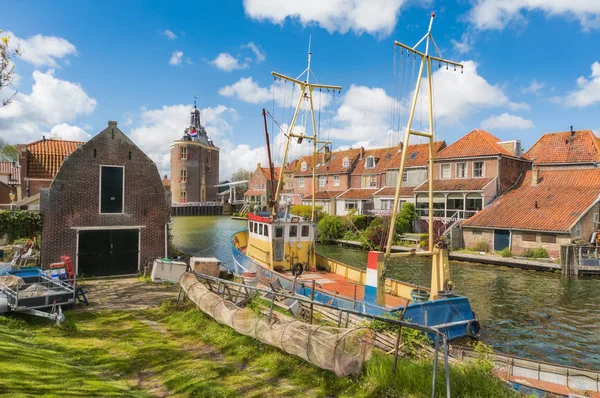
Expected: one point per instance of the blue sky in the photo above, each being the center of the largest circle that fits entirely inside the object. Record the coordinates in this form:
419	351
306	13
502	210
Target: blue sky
529	68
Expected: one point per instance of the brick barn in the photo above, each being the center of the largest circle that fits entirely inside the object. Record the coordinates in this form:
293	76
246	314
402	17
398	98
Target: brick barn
106	208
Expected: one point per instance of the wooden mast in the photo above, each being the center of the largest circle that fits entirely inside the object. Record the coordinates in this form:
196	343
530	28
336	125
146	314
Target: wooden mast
270	200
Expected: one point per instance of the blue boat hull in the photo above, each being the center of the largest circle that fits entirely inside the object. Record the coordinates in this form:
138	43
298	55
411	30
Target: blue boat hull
451	316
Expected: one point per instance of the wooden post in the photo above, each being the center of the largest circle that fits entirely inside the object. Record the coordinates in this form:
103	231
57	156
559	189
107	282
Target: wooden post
312	297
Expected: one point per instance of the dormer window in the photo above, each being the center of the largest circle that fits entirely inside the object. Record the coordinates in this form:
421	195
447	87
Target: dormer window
370	163
346	162
303	166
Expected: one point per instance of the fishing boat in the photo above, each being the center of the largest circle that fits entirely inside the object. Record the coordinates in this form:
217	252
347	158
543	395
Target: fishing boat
280	247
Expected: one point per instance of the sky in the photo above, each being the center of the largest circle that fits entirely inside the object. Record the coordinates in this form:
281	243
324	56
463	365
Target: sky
530	67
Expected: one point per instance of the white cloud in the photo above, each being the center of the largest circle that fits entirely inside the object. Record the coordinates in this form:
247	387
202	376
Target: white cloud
259	53
375	17
52	101
170	35
65	131
464	45
176	58
246	90
533	88
40	50
587	92
228	62
497	14
507	121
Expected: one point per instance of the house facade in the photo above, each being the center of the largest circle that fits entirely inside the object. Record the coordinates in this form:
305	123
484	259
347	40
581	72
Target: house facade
9	184
194	165
259	186
106	208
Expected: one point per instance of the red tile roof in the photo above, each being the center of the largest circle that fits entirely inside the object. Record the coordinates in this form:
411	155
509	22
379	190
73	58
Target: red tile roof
417	155
254	193
323	195
456	184
308	171
267	171
383	157
357	193
166	182
334	163
476	143
291	166
13	170
391	191
562	197
46	156
582	147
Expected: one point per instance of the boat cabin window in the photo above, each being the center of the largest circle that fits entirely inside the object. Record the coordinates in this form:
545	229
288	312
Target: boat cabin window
260	229
293	231
279	232
266	230
255	228
305	230
250	226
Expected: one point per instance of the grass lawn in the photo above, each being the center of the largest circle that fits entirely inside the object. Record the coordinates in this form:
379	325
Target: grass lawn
168	352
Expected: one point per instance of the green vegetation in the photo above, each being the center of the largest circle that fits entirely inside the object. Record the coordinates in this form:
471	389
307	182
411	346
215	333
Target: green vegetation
16	224
170	352
305	211
407	216
331	228
538	252
506	252
481	246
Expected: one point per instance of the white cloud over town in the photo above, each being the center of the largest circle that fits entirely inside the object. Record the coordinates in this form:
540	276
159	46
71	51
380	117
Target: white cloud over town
228	62
587	92
176	58
170	35
259	53
498	14
40	50
375	17
507	121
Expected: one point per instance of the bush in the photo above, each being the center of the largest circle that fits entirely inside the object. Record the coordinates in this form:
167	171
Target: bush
527	253
360	221
481	246
540	252
331	228
506	252
305	211
406	218
375	235
20	224
351	235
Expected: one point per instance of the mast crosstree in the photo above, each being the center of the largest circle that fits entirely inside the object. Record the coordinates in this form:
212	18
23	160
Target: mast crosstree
426	59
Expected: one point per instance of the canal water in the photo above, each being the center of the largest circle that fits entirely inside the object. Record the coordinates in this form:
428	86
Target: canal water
536	315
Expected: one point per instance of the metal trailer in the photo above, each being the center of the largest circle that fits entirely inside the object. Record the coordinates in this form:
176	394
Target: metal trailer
48	305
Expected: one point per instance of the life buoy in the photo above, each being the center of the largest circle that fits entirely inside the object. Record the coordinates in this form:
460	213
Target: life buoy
473	328
297	269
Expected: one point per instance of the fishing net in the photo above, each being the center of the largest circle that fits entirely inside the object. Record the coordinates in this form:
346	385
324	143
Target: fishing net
340	350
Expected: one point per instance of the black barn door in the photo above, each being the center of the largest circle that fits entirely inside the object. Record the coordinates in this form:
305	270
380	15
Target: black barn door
108	252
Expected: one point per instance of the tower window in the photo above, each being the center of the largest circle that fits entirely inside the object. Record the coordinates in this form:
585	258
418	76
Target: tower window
303	166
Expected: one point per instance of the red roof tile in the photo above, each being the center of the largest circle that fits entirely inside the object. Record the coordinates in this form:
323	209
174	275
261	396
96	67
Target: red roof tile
357	193
417	155
391	191
267	171
334	163
582	147
46	156
455	184
13	170
254	193
383	157
166	182
562	197
323	195
476	143
291	166
304	159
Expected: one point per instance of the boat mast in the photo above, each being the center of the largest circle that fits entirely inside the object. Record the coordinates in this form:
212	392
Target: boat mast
306	91
425	60
270	200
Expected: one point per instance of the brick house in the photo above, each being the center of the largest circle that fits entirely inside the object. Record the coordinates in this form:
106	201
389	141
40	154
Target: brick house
548	208
469	174
259	185
333	178
287	193
568	149
106	208
415	173
303	178
9	183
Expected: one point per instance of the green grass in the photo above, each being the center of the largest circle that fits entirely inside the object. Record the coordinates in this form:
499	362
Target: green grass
170	352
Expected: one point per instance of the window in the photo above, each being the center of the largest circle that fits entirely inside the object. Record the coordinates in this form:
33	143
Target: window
111	189
260	229
461	170
183	197
183	153
350	205
279	232
478	169
301	182
369	181
577	230
405	176
336	181
266	230
322	181
255	227
547	238
346	162
528	237
412	155
305	230
183	176
293	231
303	166
445	171
386	204
370	162
477	232
250	226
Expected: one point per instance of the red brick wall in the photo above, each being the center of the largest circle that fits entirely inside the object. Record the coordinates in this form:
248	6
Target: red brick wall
510	171
73	198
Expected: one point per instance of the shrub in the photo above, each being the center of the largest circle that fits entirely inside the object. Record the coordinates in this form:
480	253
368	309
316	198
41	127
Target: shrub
540	252
506	252
527	253
305	211
481	246
331	228
404	222
360	221
351	235
20	224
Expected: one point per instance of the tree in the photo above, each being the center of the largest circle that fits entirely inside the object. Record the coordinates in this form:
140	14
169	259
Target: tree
406	218
240	175
8	152
7	69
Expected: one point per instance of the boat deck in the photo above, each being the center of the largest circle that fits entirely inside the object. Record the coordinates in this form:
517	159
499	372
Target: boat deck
338	285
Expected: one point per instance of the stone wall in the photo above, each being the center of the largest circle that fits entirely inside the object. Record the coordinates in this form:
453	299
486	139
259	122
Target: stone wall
473	235
510	172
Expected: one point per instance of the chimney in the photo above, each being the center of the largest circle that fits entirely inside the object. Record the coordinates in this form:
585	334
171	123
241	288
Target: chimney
535	175
258	165
572	132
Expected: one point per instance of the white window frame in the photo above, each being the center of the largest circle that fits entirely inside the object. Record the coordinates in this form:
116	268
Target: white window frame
442	171
336	181
354	204
303	166
405	176
100	190
322	181
346	162
482	169
183	195
183	151
301	182
183	175
466	174
371	158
